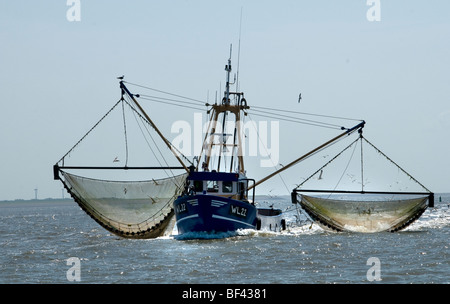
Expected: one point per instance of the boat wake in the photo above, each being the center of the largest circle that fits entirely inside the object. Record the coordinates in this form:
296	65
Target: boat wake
433	218
204	235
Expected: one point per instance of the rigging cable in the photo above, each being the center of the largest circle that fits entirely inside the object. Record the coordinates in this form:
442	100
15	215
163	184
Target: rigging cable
145	125
409	175
125	131
299	120
304	113
267	152
346	167
82	138
145	87
204	141
331	160
171	146
165	101
255	108
362	162
321	168
142	132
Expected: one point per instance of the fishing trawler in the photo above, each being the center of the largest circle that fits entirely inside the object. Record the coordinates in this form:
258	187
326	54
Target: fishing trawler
216	200
214	195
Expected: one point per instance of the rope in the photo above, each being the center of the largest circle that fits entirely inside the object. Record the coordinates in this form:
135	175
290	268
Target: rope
144	119
267	153
362	164
104	116
304	113
330	161
153	140
301	120
134	111
125	131
409	175
163	100
148	88
173	104
346	167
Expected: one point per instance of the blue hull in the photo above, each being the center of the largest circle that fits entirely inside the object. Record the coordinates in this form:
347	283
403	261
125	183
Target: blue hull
210	213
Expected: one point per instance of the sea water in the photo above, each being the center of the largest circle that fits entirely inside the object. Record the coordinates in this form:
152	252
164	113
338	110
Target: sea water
54	241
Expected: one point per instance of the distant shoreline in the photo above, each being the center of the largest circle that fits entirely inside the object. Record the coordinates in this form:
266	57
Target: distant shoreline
70	200
44	200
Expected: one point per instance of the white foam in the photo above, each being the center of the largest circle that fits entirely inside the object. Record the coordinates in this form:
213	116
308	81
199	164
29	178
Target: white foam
433	218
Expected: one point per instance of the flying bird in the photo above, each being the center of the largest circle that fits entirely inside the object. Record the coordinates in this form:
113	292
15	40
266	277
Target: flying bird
116	160
299	97
121	77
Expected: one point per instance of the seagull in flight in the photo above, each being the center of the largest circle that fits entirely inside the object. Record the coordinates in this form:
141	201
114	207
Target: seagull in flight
116	160
299	97
321	172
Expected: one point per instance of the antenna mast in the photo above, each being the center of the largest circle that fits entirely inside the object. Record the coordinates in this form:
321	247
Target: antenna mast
223	108
227	86
239	53
226	102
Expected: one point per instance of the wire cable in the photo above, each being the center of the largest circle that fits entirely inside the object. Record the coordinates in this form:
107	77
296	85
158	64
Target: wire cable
164	92
308	114
302	120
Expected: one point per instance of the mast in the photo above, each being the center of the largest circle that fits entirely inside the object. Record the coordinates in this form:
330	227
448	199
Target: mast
224	108
227	86
225	101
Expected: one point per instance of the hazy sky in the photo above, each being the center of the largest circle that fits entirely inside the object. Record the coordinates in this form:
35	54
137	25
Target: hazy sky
59	77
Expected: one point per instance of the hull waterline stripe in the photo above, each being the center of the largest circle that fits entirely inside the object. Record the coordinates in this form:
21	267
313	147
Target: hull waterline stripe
233	220
187	217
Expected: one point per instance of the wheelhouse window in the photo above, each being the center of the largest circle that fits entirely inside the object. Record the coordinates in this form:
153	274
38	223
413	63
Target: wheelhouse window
227	187
212	186
198	186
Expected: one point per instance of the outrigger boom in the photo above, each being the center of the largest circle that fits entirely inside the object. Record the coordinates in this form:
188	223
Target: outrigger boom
168	144
301	158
